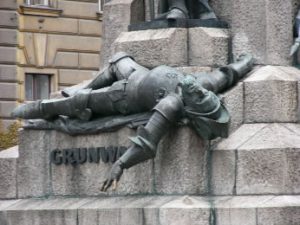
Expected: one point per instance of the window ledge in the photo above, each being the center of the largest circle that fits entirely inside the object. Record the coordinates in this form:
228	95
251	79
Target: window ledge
39	10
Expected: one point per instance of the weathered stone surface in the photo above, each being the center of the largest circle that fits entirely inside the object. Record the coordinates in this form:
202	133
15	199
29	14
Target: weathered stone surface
87	179
234	102
8	36
181	163
117	16
222	172
8	173
271	96
33	177
263	28
269	162
240	136
154	210
164	46
8	18
257	159
9	91
185	210
279	210
47	212
121	211
8	73
208	46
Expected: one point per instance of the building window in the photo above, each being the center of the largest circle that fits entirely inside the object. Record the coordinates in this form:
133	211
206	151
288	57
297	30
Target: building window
37	86
38	2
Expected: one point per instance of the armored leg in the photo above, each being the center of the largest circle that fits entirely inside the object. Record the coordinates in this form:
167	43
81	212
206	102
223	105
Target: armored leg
221	79
75	106
206	12
167	111
121	67
177	9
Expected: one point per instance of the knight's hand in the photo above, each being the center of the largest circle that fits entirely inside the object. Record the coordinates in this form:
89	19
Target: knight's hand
113	176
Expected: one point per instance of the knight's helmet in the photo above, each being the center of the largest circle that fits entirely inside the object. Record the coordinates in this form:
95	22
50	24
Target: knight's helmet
207	114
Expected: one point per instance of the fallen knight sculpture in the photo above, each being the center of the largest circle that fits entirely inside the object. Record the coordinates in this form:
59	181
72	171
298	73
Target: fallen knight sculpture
126	88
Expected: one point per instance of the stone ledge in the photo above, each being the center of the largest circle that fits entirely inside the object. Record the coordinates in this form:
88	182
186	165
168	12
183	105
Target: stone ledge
39	10
258	159
163	210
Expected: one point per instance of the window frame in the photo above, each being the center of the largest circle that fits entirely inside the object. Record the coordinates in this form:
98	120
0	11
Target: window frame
34	85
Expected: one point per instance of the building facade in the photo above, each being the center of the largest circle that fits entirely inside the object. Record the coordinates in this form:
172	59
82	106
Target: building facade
46	45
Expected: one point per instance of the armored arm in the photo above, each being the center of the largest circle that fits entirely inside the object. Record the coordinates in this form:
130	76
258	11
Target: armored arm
166	112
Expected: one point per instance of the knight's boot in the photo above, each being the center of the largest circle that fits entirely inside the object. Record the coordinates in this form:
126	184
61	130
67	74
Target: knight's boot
145	143
207	12
176	14
121	65
177	10
240	68
75	107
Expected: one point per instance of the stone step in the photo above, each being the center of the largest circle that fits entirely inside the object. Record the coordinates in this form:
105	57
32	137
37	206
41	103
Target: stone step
154	210
258	159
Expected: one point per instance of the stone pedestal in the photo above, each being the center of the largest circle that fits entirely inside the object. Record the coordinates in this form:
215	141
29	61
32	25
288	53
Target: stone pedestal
181	158
197	46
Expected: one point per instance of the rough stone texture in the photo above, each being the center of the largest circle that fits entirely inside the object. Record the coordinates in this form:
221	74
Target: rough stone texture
185	210
233	100
269	162
118	14
222	172
123	211
154	210
164	46
271	96
263	28
279	210
208	46
8	173
180	164
257	159
33	172
46	212
88	178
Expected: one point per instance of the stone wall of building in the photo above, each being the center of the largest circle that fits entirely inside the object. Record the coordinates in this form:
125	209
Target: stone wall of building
63	40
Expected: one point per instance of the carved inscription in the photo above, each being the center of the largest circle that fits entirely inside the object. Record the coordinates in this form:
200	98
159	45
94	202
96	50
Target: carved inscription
76	156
